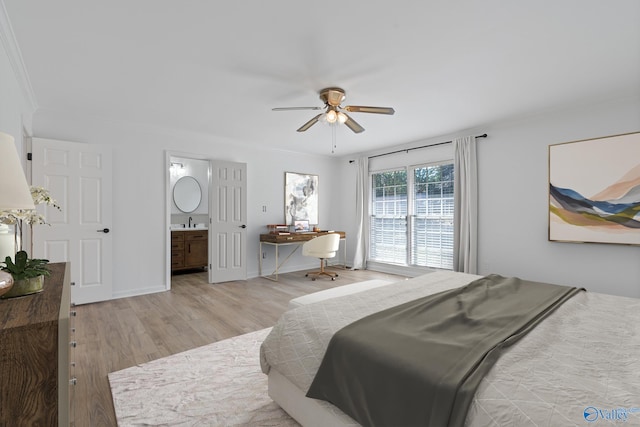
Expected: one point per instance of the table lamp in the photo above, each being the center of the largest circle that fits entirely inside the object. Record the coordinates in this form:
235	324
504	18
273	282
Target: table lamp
14	190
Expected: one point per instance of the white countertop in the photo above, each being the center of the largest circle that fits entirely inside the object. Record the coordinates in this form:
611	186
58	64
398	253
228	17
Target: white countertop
179	227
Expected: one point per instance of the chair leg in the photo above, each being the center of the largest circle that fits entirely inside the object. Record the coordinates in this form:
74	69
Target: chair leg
322	272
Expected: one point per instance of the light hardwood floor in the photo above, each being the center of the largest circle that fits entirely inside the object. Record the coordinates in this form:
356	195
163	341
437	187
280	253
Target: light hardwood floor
121	333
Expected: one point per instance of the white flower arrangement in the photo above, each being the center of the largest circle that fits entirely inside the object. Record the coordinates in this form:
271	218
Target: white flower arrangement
17	217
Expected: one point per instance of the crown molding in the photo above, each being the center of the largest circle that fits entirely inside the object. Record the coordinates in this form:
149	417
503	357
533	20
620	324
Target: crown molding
10	44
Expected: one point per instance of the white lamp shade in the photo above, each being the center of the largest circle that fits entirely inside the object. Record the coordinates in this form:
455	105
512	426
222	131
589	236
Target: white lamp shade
14	189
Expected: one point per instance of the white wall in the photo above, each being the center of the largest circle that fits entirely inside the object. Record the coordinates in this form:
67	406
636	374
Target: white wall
15	109
513	185
15	116
512	182
139	196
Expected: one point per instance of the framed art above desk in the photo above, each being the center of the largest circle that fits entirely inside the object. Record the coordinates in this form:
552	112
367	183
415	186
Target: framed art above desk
296	240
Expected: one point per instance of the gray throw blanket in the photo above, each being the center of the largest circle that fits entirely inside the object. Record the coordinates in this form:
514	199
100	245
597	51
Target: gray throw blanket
419	364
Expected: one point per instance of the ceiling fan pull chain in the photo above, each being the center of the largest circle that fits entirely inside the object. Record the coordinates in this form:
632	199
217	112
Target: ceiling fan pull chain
333	138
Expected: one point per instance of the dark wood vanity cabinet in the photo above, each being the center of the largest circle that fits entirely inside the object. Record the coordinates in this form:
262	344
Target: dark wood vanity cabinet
195	251
189	249
177	250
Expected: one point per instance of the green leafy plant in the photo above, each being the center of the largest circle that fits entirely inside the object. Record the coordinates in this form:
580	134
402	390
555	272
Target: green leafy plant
25	268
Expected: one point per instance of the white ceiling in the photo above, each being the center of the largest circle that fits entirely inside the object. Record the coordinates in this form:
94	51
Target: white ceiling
219	67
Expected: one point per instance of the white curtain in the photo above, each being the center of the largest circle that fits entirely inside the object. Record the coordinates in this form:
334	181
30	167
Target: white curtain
362	214
465	240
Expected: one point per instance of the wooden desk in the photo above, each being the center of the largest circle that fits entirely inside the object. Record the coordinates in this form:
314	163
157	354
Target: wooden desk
296	239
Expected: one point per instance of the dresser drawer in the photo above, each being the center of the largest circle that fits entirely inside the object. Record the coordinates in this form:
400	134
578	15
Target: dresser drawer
196	235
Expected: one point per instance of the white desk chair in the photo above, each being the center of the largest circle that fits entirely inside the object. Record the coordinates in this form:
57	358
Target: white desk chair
322	247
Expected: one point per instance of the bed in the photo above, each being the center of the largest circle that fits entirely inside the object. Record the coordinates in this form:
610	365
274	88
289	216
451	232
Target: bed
579	364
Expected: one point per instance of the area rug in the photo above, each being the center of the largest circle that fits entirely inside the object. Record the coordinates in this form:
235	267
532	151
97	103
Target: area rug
219	384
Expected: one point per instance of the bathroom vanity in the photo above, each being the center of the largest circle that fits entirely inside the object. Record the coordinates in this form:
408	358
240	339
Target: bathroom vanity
189	249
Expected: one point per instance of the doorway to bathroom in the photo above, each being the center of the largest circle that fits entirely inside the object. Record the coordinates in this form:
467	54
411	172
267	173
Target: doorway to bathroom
206	211
188	183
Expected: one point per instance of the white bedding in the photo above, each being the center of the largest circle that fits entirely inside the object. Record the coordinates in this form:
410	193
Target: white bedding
581	364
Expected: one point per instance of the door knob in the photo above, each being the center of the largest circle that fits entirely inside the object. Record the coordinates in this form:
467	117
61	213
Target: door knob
243	226
104	230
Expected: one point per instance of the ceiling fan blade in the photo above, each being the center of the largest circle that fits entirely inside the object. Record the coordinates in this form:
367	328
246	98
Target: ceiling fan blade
310	123
353	125
296	108
363	109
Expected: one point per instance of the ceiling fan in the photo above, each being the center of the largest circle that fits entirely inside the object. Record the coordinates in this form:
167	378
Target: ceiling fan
334	112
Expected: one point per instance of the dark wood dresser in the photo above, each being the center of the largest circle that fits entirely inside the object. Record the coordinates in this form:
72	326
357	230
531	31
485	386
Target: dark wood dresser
35	357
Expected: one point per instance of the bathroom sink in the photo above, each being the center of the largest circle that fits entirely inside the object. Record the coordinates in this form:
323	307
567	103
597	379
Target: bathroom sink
181	227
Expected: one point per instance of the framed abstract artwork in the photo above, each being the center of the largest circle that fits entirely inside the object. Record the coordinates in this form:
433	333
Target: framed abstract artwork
300	197
594	190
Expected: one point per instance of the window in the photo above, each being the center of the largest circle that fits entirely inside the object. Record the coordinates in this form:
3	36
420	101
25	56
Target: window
412	216
389	217
432	217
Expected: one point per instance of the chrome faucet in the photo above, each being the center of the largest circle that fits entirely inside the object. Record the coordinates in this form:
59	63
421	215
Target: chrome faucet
190	219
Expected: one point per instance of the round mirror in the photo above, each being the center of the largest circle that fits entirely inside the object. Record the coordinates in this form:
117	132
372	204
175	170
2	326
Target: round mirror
187	194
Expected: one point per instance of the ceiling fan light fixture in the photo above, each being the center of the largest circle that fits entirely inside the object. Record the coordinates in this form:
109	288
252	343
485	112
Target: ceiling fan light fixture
335	112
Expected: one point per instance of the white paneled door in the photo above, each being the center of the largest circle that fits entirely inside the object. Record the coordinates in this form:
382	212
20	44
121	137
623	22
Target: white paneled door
228	228
78	176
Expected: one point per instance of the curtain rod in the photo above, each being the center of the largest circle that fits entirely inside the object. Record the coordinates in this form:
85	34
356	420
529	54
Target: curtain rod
406	150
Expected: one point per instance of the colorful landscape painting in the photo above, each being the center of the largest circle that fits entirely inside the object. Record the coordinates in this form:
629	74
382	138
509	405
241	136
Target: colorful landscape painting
594	190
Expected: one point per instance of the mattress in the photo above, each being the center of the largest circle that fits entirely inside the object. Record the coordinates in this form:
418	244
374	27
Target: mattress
580	364
338	291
